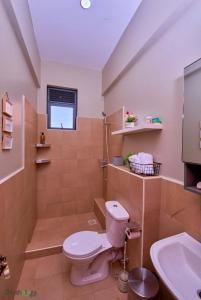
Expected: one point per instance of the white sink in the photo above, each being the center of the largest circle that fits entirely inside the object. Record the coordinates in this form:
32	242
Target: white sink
177	260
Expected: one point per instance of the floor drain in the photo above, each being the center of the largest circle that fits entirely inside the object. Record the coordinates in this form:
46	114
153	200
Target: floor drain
92	222
199	293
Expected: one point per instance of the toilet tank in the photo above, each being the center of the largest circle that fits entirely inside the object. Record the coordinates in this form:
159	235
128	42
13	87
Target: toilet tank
116	223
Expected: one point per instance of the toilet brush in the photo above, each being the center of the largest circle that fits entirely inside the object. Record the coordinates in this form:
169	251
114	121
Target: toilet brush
123	275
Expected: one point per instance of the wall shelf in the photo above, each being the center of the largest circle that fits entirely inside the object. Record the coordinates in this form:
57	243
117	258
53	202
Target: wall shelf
39	146
138	129
193	189
42	161
192	175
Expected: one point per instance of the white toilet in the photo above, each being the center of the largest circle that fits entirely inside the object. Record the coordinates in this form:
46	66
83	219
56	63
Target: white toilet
90	252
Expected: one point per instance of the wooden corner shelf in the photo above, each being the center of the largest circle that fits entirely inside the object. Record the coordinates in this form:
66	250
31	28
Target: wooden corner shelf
41	146
138	129
42	161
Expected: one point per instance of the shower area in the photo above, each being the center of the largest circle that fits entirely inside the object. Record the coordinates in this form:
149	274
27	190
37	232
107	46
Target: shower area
60	198
112	144
67	186
74	184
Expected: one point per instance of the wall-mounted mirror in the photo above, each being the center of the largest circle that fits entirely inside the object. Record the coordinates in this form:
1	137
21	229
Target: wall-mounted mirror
191	147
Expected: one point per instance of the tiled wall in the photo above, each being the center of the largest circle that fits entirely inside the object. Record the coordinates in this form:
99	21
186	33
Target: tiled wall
115	122
152	199
70	182
162	207
18	208
180	211
115	142
141	198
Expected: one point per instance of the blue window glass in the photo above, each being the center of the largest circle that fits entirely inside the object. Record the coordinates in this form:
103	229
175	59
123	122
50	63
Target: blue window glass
61	108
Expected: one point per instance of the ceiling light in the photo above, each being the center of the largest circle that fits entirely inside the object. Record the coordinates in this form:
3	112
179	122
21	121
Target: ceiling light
85	3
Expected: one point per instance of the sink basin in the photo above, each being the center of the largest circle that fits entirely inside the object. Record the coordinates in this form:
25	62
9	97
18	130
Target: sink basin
177	260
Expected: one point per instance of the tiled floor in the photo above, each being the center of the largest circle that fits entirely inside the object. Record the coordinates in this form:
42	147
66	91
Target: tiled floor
52	232
49	278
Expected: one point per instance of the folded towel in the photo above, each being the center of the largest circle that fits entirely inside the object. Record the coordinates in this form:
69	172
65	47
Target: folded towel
145	158
131	158
135	163
142	163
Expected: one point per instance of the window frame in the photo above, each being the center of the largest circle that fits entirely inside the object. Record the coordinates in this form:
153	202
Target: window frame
61	104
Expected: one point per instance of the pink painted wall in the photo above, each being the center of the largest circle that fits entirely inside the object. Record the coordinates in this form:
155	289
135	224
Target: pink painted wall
20	18
88	82
15	78
154	86
149	19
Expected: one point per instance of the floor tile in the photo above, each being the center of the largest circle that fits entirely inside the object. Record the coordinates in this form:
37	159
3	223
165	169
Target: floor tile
48	276
110	293
53	231
50	288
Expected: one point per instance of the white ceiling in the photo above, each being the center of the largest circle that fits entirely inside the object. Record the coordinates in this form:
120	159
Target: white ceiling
68	34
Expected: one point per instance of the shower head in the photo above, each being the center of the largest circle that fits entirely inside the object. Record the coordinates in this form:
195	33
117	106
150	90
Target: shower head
104	115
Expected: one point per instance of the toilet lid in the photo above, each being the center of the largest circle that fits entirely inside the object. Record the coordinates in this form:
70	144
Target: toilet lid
82	244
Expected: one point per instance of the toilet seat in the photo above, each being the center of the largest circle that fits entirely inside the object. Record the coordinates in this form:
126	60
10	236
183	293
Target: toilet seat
82	244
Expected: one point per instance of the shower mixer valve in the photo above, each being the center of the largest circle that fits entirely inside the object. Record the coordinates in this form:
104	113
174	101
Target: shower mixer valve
4	267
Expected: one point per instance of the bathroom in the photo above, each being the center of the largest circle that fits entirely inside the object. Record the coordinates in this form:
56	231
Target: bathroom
49	190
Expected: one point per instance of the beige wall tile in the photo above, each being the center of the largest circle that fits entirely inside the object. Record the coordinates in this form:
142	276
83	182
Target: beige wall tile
18	206
70	138
74	174
152	195
69	194
168	226
150	235
128	190
115	142
180	210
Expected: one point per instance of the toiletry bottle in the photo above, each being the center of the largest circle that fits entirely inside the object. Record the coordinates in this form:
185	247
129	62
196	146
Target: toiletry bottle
42	138
148	119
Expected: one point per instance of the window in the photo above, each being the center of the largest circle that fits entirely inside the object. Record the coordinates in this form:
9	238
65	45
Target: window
61	107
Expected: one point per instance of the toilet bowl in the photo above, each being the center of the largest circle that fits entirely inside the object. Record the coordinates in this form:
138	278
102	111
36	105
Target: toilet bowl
90	252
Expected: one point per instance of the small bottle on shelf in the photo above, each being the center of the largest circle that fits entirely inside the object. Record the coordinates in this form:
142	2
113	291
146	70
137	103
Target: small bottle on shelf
42	138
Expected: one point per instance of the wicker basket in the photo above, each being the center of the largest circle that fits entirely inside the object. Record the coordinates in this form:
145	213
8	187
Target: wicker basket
145	169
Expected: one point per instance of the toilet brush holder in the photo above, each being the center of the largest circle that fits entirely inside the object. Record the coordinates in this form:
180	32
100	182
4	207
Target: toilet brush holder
123	281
